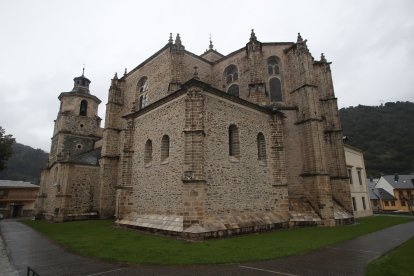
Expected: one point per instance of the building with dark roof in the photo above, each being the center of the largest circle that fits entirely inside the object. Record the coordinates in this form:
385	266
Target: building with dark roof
400	188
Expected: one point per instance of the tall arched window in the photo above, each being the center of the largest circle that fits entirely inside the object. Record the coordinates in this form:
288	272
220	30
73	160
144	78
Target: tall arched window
83	110
142	85
234	144
148	152
233	90
165	147
231	74
261	147
275	88
273	66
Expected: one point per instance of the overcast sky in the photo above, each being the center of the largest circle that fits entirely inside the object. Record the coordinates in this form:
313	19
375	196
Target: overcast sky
44	45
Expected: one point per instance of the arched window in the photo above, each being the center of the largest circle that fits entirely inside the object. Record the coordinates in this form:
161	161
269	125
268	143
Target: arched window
261	147
233	90
275	90
273	66
165	147
231	74
234	145
141	102
142	84
148	152
83	110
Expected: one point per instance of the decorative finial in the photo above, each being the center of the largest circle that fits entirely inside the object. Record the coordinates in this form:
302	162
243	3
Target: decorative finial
170	41
116	76
253	36
83	70
323	59
195	75
300	40
178	39
211	44
125	72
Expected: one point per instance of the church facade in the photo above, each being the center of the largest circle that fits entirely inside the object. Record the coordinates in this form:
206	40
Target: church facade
204	145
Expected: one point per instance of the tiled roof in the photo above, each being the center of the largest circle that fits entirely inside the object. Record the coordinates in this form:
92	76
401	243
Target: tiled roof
16	184
403	182
383	194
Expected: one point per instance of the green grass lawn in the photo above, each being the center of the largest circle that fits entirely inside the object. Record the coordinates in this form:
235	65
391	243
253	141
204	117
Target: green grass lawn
397	262
99	239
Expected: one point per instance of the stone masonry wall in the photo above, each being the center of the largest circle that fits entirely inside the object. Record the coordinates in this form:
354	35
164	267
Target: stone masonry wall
157	186
83	185
236	185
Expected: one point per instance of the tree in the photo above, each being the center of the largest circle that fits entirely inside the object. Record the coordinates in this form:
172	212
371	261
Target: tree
6	149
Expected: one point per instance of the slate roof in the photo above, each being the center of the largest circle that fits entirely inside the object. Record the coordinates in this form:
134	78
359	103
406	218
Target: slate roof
16	184
380	193
88	158
404	181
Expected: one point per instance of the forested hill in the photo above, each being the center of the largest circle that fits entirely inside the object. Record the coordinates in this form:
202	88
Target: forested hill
385	133
25	164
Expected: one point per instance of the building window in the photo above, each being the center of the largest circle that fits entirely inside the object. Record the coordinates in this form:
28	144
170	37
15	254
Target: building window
142	84
231	74
233	90
375	202
393	203
387	203
403	203
275	85
354	203
363	203
275	90
350	176
83	108
142	101
165	147
148	152
359	177
234	145
273	66
261	147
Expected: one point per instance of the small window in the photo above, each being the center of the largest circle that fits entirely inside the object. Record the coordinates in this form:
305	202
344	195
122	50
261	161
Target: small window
261	147
350	176
387	203
148	152
231	74
359	177
363	203
233	90
275	88
354	203
393	203
142	101
142	84
83	110
165	147
234	145
403	203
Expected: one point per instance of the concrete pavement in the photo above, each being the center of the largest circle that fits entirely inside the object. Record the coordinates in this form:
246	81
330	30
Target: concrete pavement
25	247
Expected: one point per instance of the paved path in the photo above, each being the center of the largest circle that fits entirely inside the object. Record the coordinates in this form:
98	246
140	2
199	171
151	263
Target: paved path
25	247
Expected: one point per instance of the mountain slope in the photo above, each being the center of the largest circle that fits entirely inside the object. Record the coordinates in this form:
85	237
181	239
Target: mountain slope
385	133
25	164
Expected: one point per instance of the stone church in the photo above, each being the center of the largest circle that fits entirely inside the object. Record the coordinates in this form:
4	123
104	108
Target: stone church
203	145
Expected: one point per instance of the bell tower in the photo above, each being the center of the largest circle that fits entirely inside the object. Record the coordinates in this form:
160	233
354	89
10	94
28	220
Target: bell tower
77	126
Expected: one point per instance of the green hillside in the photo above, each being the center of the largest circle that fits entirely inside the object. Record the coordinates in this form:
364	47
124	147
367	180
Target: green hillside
385	133
24	164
